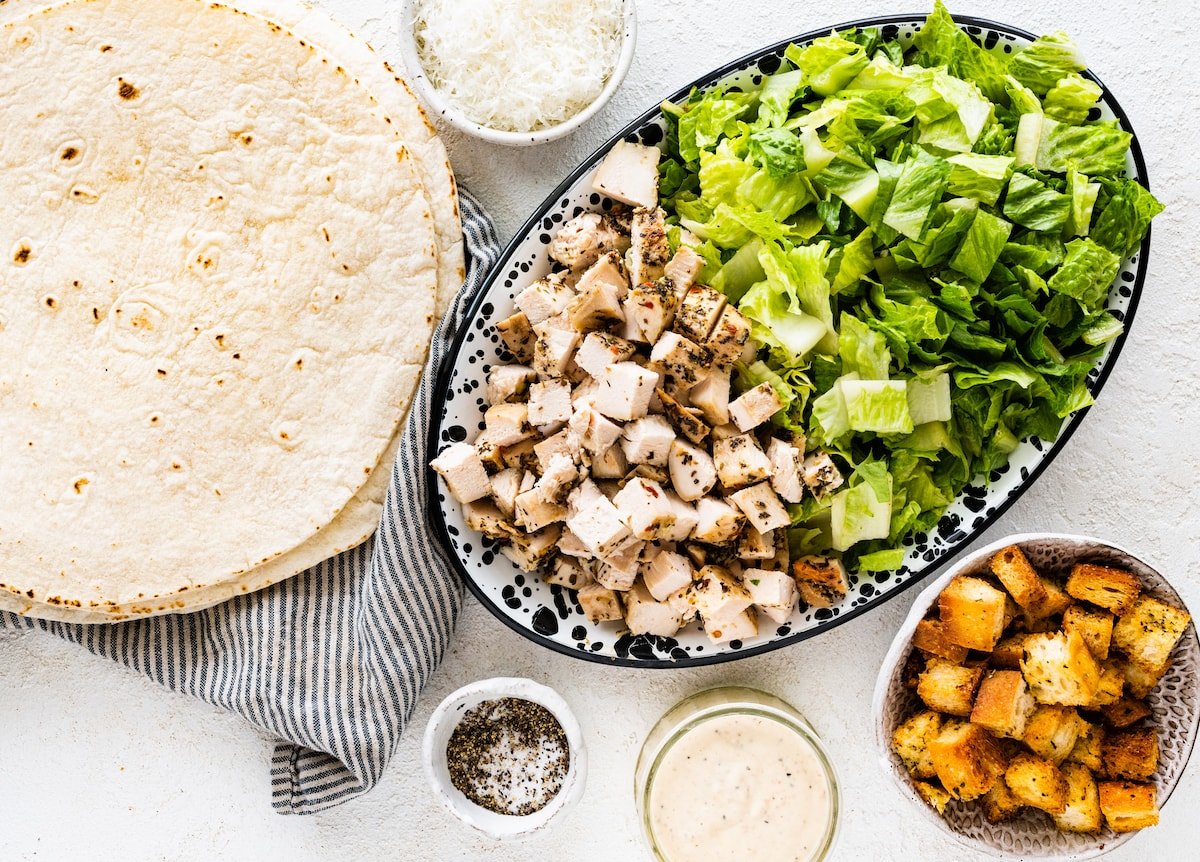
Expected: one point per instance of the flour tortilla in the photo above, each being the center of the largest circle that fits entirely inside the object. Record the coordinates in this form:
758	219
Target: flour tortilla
278	497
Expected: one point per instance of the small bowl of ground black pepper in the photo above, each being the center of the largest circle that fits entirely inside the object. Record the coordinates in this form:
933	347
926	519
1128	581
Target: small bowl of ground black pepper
505	756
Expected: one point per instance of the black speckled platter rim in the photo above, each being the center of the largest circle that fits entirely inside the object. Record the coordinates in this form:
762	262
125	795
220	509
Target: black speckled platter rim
442	383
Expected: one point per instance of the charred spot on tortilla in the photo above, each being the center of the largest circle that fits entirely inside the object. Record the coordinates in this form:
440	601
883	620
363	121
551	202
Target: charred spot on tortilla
126	90
69	154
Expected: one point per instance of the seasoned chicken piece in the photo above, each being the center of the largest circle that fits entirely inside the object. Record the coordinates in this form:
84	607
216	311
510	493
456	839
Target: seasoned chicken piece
630	329
667	573
600	349
740	461
553	350
565	442
685	419
648	440
490	452
821	475
762	507
773	592
596	307
485	517
649	248
785	470
629	173
600	604
683	269
570	573
518	337
684	361
619	570
505	486
521	455
530	552
654	304
718	523
693	473
610	270
686	520
507	424
646	616
549	404
624	391
718	595
508	383
544	503
756	545
755	406
600	527
610	464
569	544
698	313
730	338
740	627
545	298
585	238
645	509
820	580
711	395
584	495
465	477
595	433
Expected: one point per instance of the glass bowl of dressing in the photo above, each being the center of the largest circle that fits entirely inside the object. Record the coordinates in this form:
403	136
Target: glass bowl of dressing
731	768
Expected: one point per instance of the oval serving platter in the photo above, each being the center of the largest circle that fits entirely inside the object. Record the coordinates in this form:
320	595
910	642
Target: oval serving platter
550	615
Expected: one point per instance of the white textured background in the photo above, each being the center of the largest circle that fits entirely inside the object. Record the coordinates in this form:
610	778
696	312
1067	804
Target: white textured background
98	763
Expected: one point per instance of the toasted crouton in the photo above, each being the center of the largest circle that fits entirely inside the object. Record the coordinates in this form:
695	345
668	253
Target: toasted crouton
1082	813
972	613
1088	746
1112	589
1125	712
1094	626
1140	681
1148	631
1128	806
1008	651
911	742
934	794
967	760
1037	783
1131	754
930	637
1003	704
1112	685
999	804
1060	669
1055	603
1052	731
948	687
1024	584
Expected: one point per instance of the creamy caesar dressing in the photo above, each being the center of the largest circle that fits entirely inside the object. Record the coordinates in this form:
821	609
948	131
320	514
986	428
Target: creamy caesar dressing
739	781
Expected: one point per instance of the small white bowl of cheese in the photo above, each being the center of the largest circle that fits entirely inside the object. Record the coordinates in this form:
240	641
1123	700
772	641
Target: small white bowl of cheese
517	72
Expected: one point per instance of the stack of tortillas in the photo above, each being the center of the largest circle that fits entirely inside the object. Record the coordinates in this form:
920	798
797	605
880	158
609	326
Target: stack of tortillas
226	233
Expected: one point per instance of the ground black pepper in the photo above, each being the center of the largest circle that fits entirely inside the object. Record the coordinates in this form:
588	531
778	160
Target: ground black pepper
509	756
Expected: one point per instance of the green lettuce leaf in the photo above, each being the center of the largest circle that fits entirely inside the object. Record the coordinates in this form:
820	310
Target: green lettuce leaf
1087	273
918	189
1032	204
1044	63
829	63
981	246
1097	149
877	405
1071	98
779	91
863	351
940	42
979	177
1083	201
864	509
1125	216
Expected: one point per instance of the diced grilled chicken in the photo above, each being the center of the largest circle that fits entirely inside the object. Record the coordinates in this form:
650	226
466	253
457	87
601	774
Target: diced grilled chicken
565	442
619	570
654	306
530	552
649	249
755	544
600	349
730	338
773	592
596	434
630	329
610	464
596	307
508	383
465	476
719	522
600	527
568	572
821	475
545	298
517	333
553	350
693	473
718	595
762	507
785	470
755	406
610	270
686	519
549	404
740	461
682	360
600	604
507	424
646	616
490	452
505	486
648	440
485	517
583	240
698	313
683	269
569	544
629	173
821	581
644	507
741	627
545	502
711	395
624	391
667	573
687	420
521	455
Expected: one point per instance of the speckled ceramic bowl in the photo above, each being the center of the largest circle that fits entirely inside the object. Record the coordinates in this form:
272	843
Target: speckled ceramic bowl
1031	835
550	615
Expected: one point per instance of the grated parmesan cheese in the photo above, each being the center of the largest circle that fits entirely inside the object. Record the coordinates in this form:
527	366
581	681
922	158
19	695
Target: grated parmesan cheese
519	65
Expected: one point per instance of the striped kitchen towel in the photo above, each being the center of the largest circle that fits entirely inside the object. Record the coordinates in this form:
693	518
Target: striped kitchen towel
331	661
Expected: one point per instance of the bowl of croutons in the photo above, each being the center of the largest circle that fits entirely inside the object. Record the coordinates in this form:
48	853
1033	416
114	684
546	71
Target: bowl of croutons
1042	699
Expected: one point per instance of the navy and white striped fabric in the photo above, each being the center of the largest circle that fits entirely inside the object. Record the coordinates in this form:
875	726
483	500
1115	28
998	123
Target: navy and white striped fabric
332	660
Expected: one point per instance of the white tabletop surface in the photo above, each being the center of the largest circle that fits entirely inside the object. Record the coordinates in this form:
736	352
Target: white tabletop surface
98	762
